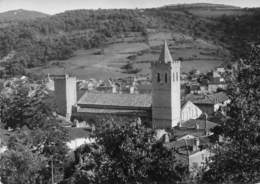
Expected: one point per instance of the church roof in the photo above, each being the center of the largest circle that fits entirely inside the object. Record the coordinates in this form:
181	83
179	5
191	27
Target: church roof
165	56
121	100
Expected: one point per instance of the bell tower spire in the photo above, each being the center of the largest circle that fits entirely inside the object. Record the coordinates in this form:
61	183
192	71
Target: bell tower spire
166	100
165	55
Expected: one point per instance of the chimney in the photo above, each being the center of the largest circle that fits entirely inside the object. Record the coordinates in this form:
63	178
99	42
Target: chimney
114	89
206	128
220	138
196	144
166	138
132	89
197	126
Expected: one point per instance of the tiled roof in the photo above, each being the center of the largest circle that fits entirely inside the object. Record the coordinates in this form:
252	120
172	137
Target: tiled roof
199	99
207	99
185	148
219	97
122	100
183	103
165	56
191	124
181	143
183	132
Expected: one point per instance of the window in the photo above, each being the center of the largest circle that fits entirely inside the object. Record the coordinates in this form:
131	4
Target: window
158	77
165	77
177	76
173	77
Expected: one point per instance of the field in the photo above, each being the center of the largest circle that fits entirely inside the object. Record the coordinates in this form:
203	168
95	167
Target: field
196	54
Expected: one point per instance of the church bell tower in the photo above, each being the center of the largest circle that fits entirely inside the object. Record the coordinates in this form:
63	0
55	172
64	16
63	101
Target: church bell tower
166	97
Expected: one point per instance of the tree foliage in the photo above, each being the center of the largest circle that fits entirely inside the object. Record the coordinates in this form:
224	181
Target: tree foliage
237	160
125	154
37	138
57	37
237	32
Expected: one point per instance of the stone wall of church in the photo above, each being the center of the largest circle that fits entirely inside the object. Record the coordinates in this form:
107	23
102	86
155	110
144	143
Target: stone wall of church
65	94
60	95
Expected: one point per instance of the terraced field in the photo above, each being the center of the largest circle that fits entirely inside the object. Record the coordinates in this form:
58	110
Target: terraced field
196	54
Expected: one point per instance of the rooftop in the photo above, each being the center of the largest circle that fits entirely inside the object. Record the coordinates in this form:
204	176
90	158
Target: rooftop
184	146
219	97
199	99
120	100
110	111
199	123
207	99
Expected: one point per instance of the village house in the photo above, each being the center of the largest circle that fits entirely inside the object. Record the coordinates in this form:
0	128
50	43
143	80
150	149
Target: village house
209	103
193	143
189	111
195	88
192	152
218	72
216	83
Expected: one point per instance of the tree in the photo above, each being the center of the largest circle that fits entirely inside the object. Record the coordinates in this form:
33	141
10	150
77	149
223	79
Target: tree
22	105
21	167
125	154
37	135
237	160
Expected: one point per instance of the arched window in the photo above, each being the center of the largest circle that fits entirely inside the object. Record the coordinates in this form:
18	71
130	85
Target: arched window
166	77
158	77
177	76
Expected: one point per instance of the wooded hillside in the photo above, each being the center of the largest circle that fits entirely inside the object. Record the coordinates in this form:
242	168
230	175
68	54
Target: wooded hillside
34	43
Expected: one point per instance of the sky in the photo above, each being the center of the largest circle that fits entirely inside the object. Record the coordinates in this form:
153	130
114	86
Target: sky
57	6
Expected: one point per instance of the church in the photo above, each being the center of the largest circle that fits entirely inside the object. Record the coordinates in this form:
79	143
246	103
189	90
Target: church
161	109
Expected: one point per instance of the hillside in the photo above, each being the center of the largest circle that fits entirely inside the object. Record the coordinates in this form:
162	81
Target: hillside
205	5
18	15
206	10
194	37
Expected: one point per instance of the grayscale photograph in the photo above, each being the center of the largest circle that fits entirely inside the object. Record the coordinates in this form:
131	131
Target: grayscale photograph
130	92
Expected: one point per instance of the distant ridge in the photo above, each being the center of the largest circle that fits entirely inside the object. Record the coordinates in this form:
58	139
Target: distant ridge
20	14
204	5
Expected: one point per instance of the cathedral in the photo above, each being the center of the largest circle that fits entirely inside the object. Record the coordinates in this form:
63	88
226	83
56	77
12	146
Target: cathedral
162	109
